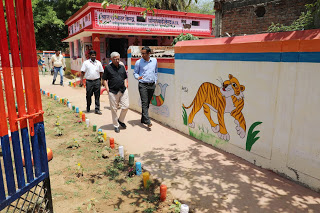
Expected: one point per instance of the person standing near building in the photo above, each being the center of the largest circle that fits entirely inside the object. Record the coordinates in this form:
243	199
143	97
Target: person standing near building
58	63
146	72
115	81
92	70
40	64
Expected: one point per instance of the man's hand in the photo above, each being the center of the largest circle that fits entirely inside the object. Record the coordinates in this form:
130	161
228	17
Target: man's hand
81	83
64	69
140	77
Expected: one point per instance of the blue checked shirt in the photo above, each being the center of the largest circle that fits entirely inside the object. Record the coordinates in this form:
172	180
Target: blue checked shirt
147	69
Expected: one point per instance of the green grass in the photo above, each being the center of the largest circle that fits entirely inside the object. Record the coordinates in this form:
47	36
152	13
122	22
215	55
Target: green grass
69	182
205	136
251	138
149	210
184	116
76	194
106	195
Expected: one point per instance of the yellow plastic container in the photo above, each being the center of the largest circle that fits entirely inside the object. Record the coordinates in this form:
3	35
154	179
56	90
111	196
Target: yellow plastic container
105	136
145	177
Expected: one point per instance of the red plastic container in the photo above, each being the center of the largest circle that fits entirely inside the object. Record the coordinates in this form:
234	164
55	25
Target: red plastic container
112	143
163	192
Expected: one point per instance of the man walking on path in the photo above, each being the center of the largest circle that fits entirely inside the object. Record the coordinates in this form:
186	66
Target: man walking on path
92	70
146	71
59	65
115	81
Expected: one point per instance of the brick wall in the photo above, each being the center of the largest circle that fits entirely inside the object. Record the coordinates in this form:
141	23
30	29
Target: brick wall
239	16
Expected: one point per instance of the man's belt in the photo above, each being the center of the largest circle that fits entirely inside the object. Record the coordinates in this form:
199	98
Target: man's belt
93	80
149	84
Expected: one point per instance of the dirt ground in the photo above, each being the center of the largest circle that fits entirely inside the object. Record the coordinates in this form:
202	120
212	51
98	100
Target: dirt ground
84	176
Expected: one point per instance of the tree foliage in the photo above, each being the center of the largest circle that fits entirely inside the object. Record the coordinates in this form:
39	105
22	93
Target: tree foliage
48	27
49	17
307	20
150	5
184	37
202	7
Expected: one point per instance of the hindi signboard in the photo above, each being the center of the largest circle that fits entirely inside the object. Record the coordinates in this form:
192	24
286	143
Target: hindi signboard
80	24
135	21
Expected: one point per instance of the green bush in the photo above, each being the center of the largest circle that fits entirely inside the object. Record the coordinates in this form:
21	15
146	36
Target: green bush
304	22
183	37
307	20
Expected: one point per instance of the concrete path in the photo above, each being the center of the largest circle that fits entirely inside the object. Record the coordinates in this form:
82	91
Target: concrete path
205	178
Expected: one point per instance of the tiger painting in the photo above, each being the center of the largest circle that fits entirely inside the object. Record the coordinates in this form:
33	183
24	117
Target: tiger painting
228	98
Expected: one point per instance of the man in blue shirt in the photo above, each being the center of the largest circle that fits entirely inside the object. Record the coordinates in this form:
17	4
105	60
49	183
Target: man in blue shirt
146	72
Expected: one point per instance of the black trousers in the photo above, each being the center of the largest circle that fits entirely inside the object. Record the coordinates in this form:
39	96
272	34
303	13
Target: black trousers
146	91
93	87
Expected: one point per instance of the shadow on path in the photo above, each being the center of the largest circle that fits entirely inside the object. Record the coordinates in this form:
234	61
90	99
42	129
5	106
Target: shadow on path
224	182
138	123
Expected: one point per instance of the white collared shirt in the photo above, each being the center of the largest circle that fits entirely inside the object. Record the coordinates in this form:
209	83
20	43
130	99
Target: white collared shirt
92	69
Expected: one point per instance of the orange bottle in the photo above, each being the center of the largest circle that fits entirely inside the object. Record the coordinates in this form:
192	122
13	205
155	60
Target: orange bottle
112	143
163	192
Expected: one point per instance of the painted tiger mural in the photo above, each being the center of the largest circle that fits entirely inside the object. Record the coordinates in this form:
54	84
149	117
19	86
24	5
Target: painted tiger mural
228	98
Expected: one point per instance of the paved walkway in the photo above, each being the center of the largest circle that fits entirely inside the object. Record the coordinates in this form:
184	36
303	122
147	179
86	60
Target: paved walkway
205	178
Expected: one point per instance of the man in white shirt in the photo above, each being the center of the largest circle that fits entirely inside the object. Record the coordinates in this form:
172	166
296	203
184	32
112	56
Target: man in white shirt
58	63
92	70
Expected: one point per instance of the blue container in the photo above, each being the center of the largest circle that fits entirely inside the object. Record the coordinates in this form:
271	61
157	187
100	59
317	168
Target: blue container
40	90
99	130
55	97
138	168
77	110
44	92
68	103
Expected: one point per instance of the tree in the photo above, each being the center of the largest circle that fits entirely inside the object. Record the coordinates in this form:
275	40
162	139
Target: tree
49	17
47	25
202	7
150	5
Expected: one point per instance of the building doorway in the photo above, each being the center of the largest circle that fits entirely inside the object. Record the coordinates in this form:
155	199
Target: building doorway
119	45
151	42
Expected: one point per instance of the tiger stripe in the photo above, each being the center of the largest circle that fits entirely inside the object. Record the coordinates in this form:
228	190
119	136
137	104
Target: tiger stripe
210	94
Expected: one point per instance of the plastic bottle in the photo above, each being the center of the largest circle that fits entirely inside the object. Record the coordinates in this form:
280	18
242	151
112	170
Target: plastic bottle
184	208
121	151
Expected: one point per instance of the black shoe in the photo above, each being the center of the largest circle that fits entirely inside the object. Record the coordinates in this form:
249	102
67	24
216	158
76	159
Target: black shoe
88	109
148	124
98	112
53	82
116	129
123	125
